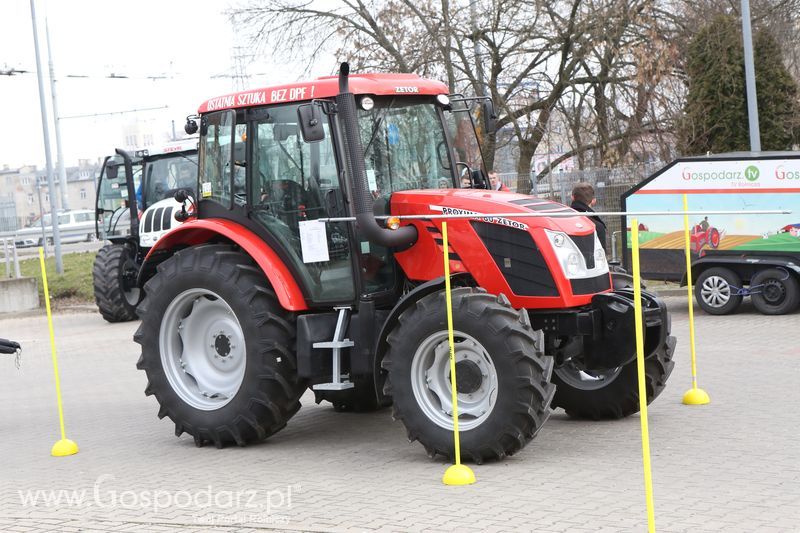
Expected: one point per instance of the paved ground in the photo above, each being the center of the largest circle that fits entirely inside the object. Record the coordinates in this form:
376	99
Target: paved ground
733	465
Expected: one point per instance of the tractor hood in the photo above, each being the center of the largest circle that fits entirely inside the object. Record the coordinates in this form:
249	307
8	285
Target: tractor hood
483	202
537	262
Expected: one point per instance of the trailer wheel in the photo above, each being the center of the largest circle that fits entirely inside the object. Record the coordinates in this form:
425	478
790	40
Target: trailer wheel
503	378
774	291
615	393
217	348
114	280
715	291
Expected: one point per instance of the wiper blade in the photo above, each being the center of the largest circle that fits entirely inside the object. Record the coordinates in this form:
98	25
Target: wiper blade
378	123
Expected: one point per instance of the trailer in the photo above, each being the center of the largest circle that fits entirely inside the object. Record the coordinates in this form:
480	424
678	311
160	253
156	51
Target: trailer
733	256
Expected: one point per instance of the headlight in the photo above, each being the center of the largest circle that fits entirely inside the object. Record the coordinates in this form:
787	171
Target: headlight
599	254
572	263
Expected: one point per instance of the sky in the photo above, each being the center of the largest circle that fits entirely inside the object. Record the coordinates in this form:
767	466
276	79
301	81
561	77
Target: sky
190	43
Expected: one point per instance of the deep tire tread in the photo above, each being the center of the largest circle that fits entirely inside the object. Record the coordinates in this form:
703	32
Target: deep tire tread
270	397
107	283
531	388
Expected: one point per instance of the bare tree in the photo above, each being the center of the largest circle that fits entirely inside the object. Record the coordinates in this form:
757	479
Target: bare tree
610	70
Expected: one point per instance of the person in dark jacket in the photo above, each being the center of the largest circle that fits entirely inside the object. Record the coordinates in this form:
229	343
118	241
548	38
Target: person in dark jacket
583	200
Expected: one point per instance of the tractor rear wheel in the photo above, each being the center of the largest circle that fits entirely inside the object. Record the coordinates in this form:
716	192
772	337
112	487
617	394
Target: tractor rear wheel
114	279
614	393
502	377
217	348
774	291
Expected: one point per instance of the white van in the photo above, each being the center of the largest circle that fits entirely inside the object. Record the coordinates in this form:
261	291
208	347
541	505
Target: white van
73	226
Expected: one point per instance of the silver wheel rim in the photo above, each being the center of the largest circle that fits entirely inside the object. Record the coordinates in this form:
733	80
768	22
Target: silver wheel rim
430	381
202	349
585	379
715	291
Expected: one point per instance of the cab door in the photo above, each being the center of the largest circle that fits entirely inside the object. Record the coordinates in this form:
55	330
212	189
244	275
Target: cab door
292	184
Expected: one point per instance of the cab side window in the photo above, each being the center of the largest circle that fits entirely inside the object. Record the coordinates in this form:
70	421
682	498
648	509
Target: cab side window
216	154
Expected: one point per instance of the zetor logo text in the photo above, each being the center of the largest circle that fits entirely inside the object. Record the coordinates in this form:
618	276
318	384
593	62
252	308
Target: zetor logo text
751	173
406	89
783	174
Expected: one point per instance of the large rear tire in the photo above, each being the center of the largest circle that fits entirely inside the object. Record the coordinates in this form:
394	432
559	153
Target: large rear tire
502	376
113	277
217	348
615	393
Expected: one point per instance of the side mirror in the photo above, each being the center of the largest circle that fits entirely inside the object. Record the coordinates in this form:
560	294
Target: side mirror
112	171
489	118
191	126
309	117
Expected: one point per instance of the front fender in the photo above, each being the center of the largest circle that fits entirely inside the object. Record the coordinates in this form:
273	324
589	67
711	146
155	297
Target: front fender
202	231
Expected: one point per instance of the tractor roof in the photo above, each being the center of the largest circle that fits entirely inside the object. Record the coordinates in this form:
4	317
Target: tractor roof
183	145
327	87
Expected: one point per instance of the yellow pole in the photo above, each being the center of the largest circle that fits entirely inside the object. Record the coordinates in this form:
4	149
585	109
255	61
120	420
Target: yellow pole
637	296
64	446
693	396
457	474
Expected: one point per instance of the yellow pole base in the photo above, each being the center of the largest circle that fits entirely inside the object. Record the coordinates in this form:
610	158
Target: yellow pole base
63	448
458	475
696	397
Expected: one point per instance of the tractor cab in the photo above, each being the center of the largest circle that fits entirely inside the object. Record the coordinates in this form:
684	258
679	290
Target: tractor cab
261	168
130	183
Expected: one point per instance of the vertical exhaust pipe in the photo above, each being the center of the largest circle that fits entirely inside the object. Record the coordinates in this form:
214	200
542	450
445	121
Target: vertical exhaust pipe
362	197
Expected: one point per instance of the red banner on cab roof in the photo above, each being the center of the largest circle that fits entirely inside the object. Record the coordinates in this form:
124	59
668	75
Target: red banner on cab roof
328	87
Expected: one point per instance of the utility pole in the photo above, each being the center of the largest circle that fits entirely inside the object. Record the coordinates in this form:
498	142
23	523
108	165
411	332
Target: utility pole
750	79
62	171
476	49
46	134
41	218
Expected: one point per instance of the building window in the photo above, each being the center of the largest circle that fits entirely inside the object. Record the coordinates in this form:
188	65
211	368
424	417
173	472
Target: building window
83	194
30	199
26	180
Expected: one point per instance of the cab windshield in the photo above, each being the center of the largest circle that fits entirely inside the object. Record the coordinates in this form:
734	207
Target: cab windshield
404	146
165	175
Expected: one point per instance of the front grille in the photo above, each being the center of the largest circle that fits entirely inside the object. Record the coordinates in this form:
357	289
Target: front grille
147	225
165	218
519	259
591	285
585	244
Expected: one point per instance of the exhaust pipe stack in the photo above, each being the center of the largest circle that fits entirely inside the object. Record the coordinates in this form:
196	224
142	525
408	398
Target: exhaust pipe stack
362	197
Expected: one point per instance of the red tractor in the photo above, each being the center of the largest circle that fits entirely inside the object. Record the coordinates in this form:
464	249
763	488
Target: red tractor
704	236
289	276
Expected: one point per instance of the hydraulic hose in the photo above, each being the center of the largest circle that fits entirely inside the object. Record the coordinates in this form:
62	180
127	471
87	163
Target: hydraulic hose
362	197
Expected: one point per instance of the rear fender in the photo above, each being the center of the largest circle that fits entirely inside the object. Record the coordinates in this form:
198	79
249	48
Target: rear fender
202	231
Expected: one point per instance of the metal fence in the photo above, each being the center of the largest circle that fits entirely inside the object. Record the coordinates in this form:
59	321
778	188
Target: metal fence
608	183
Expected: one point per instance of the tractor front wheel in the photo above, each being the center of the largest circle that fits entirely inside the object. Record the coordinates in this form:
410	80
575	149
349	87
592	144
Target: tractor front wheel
502	377
217	348
114	280
613	393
